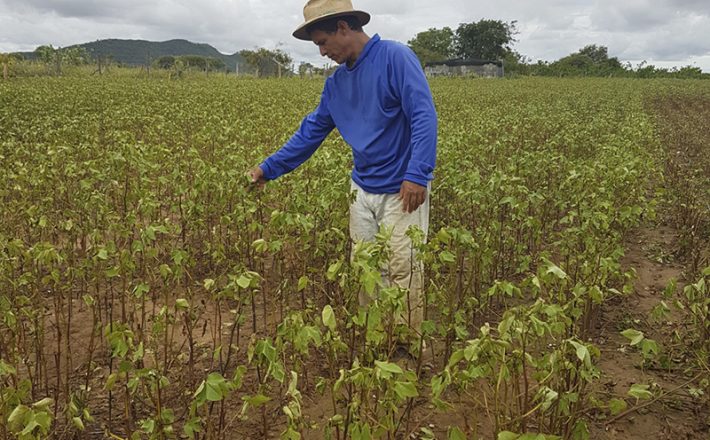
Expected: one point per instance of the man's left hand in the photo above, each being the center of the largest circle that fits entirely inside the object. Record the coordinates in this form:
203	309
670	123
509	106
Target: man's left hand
412	196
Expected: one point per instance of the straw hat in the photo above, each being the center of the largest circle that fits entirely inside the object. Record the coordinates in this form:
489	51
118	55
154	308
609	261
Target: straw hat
316	10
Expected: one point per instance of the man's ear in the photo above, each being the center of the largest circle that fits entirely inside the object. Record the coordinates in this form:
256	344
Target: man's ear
343	26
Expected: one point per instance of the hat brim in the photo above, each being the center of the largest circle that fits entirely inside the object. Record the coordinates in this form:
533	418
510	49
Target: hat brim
302	34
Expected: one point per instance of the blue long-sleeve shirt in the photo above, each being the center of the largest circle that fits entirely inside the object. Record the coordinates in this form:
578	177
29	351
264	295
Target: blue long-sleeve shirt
383	108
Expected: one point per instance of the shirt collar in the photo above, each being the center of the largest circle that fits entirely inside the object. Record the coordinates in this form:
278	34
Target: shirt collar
365	51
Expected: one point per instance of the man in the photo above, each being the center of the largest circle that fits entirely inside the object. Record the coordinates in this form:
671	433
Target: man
380	101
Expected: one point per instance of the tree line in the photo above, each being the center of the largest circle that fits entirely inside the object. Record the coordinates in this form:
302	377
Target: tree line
482	40
493	40
260	62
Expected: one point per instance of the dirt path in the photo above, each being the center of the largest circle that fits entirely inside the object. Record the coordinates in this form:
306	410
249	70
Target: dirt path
677	416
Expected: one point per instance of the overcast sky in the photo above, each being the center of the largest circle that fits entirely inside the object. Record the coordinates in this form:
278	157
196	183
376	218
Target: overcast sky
662	32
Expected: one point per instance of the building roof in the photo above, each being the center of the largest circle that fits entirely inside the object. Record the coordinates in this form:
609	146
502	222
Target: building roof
462	62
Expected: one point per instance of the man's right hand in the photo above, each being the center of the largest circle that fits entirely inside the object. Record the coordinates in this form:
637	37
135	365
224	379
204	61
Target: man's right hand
256	177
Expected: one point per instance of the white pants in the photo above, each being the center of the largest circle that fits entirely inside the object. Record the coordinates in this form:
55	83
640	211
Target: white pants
370	212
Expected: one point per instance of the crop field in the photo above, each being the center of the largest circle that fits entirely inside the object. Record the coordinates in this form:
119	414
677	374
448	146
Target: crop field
147	291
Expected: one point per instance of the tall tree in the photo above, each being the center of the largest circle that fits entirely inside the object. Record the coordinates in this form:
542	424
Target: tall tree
165	62
591	60
75	55
305	69
215	64
433	44
600	56
485	39
45	53
267	62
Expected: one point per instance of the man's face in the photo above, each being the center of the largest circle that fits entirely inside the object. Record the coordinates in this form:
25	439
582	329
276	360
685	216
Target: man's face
332	45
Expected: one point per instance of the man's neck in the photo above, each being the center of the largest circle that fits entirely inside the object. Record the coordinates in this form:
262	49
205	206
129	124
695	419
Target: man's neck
359	43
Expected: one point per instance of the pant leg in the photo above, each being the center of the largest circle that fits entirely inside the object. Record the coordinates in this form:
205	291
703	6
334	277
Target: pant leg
363	226
405	269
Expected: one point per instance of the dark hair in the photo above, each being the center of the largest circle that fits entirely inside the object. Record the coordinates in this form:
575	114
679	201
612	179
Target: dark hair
330	25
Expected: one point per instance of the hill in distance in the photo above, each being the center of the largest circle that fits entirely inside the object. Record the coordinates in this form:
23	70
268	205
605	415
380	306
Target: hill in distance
141	52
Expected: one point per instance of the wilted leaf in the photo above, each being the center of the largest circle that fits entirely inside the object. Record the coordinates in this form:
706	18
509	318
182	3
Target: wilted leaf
640	391
634	336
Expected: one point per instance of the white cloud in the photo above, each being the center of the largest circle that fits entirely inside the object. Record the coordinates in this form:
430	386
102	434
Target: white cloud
661	31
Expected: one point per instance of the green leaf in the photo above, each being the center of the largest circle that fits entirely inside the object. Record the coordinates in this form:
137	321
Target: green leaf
328	317
139	352
244	281
580	431
640	391
302	283
505	324
165	270
30	426
290	433
507	435
43	404
182	304
333	270
265	348
428	434
443	235
277	371
260	245
256	401
306	335
369	280
389	367
200	394
148	426
239	376
44	419
536	282
78	423
140	290
596	295
616	406
648	347
15	420
178	257
507	201
213	392
360	431
111	381
456	434
405	389
6	369
555	270
192	426
447	257
582	352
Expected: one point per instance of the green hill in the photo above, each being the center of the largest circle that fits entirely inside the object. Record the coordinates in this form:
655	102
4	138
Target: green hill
140	52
